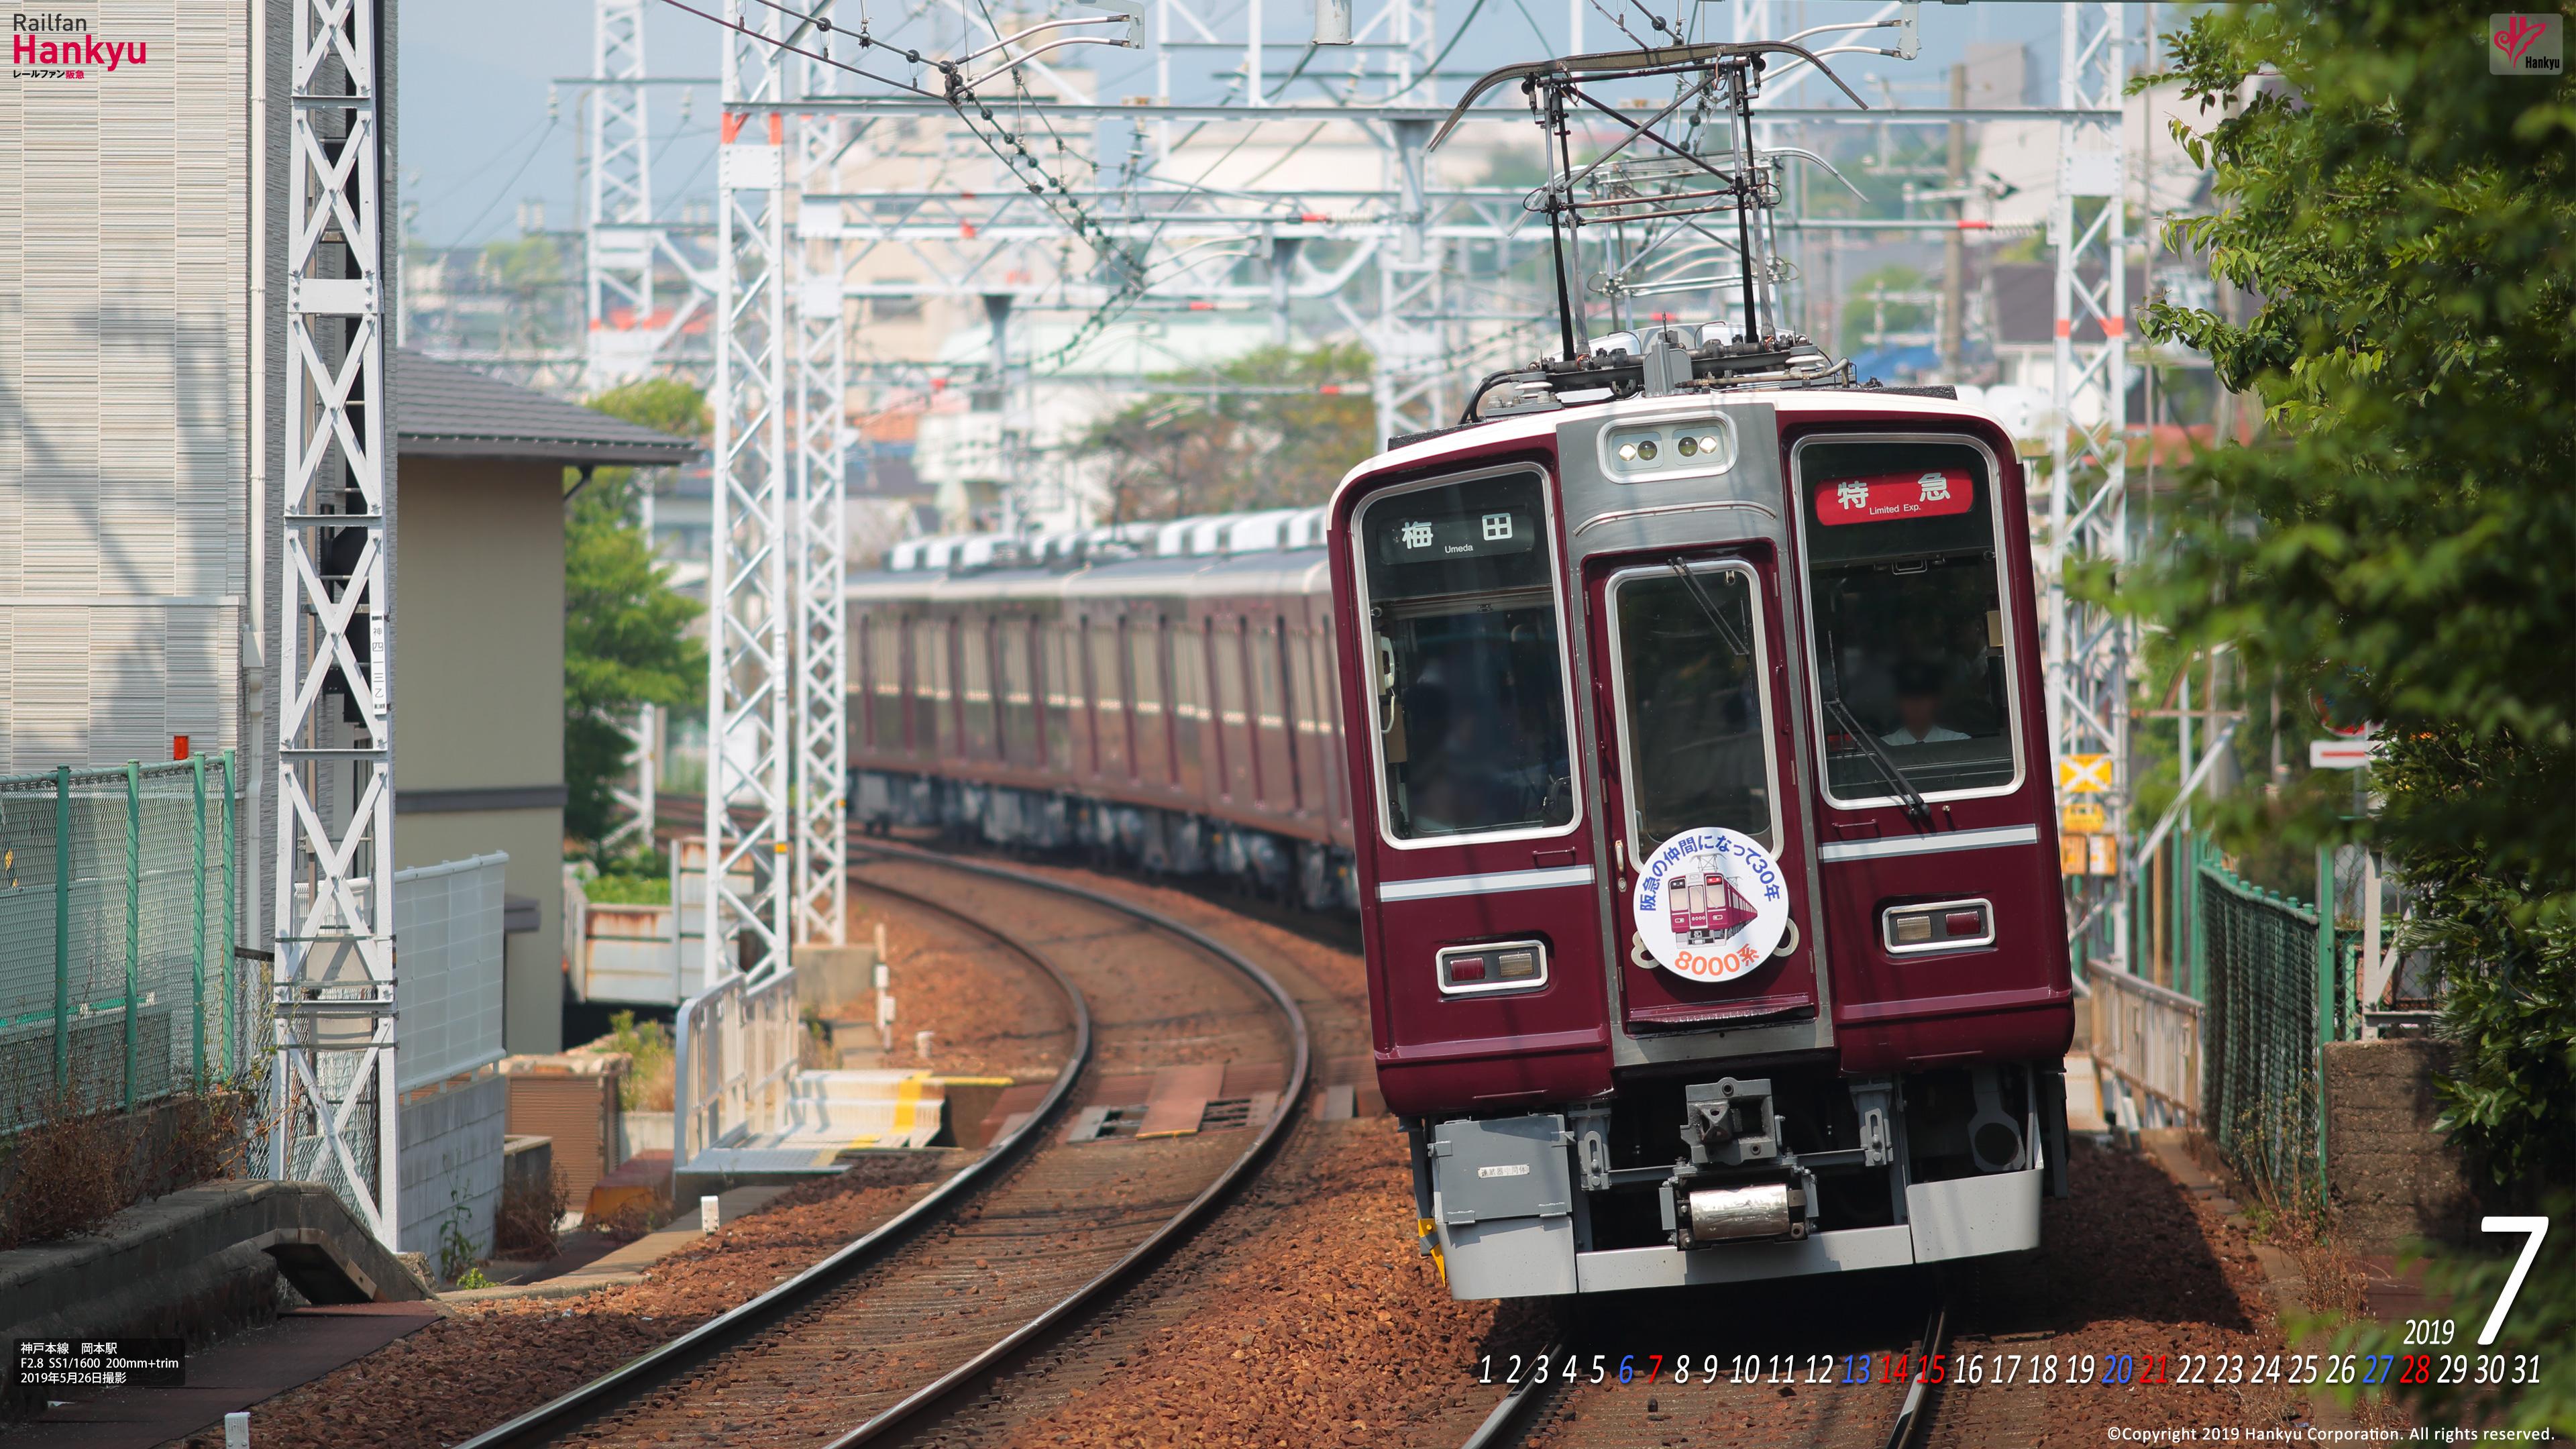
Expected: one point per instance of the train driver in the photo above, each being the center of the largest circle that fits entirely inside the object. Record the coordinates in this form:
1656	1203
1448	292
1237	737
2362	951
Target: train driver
1918	705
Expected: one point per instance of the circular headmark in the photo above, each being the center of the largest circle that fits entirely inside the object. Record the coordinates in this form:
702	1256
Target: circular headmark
1710	904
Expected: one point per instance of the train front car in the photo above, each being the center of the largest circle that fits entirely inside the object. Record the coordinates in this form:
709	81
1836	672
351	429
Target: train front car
1709	875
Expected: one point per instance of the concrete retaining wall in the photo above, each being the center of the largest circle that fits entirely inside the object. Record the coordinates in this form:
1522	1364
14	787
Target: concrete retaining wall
451	1161
199	1264
2391	1175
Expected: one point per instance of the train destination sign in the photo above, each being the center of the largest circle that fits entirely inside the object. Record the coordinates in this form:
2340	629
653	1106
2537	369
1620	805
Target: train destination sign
1883	497
1711	904
1476	535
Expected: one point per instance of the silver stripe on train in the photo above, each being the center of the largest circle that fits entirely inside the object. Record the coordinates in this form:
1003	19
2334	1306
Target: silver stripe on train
1477	885
1931	844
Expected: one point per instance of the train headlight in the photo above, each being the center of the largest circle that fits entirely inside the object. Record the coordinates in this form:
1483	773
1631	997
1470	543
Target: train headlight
1627	452
1929	926
1492	966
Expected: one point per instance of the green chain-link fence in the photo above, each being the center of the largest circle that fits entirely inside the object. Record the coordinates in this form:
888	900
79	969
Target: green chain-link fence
2273	999
118	980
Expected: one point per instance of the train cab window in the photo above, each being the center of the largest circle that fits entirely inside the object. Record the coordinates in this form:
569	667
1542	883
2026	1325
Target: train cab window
1907	609
1470	678
1693	711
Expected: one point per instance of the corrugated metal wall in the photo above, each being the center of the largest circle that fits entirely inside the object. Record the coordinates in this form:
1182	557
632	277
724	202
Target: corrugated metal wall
124	255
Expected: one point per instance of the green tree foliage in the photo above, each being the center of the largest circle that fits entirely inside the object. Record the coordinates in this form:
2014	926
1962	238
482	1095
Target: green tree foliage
625	631
2407	526
1175	454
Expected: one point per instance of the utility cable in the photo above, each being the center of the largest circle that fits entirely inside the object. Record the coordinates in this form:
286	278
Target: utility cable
524	164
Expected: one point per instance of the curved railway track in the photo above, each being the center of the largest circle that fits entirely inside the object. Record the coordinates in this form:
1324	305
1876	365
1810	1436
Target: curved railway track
902	1325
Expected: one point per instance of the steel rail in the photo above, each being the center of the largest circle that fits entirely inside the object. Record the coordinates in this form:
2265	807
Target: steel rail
1192	1216
701	1345
1503	1425
1910	1414
704	1344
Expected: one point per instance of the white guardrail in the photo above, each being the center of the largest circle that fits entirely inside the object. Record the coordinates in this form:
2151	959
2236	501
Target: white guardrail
737	1045
2148	1037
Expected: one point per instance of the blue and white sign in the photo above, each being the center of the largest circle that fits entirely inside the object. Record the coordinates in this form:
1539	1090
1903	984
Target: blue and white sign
1711	904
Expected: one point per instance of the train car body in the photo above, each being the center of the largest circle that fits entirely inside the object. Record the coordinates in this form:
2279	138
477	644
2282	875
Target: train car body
1796	623
1172	711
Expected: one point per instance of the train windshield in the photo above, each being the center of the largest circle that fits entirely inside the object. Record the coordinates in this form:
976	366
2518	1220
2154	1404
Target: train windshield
1908	614
1692	712
1470	682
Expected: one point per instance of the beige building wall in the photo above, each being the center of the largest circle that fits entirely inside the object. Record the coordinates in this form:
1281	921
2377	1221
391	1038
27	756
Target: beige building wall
478	679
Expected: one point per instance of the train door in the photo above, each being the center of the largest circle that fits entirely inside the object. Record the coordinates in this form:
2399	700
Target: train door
1292	701
1189	707
1233	713
931	722
1262	658
1145	675
1108	700
1061	678
1019	704
1693	672
977	698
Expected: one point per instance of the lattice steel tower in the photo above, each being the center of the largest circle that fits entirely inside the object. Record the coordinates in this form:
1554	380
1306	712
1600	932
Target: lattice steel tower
333	1100
820	529
2088	648
748	604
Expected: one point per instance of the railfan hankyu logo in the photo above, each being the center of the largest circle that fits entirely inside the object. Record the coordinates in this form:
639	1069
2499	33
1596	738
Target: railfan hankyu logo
2527	44
55	46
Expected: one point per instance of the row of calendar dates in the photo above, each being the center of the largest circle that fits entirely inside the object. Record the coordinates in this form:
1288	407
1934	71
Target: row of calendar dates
2112	1370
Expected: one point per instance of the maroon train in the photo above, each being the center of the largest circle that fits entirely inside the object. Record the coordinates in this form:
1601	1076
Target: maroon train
1584	640
1548	646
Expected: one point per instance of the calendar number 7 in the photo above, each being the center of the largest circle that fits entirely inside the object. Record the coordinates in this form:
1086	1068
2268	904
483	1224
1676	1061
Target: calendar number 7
2538	1228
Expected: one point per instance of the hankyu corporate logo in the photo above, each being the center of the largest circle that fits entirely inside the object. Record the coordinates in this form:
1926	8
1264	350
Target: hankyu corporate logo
55	46
2527	44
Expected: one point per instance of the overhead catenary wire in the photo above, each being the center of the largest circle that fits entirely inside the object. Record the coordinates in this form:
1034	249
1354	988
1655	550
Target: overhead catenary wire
524	163
959	98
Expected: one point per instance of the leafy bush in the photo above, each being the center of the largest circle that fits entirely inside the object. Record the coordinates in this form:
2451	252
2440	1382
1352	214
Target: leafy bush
628	890
2409	221
648	1086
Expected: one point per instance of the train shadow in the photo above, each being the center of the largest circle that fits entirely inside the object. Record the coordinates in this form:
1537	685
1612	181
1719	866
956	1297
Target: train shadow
2126	1247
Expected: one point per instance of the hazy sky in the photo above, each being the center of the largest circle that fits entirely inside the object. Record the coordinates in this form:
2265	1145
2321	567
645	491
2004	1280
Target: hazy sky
476	140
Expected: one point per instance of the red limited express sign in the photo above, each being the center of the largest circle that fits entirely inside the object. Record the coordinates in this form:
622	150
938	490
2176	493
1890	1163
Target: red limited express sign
1885	496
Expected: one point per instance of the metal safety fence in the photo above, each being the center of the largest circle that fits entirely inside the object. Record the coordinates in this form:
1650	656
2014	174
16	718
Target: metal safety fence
2149	1038
2275	995
737	1045
119	984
